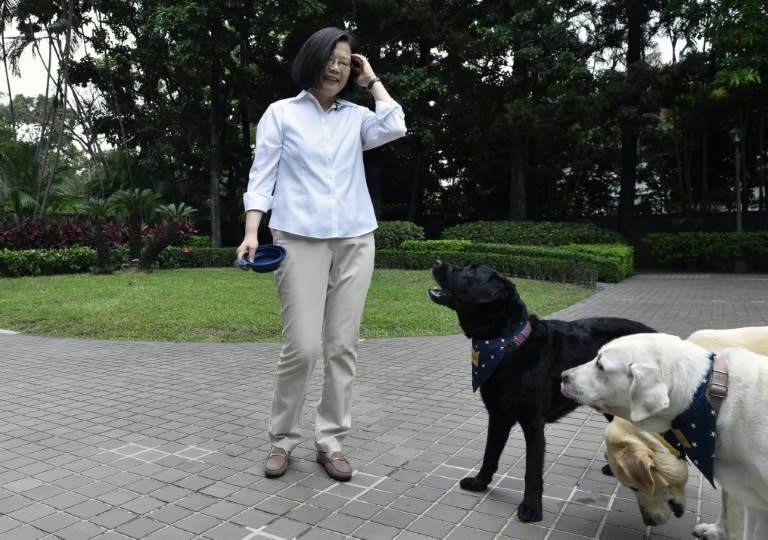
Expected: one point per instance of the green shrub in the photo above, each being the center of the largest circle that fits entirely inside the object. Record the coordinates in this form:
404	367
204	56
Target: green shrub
613	262
200	257
542	233
531	267
198	241
435	245
390	234
717	251
38	262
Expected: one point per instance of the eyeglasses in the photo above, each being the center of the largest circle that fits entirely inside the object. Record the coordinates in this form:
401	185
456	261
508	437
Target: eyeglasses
343	63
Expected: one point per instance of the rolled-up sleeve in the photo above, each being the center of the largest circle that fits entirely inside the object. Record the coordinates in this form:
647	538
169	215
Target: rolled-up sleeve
383	126
266	161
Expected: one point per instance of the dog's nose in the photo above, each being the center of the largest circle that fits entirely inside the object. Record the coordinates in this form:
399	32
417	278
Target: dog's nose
677	508
650	520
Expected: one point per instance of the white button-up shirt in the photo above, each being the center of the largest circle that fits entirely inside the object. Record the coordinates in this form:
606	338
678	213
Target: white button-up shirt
308	165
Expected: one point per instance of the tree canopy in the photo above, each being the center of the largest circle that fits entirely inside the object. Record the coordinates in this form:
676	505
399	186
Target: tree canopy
563	109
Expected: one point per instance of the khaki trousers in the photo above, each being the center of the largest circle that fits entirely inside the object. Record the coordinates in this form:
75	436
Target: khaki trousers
322	285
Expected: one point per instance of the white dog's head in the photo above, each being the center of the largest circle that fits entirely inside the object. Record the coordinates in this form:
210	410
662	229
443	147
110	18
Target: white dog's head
629	378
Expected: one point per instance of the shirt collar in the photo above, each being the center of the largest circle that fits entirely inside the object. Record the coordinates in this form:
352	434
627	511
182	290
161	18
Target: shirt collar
338	103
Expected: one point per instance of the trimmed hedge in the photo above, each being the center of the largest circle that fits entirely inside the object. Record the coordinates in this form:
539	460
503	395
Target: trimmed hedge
201	257
437	245
611	262
716	251
541	268
39	262
615	261
540	233
400	244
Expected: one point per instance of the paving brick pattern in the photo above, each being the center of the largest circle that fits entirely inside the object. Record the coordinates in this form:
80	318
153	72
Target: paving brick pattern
136	440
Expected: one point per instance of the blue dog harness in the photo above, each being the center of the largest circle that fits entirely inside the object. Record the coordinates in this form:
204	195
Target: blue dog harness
487	354
693	431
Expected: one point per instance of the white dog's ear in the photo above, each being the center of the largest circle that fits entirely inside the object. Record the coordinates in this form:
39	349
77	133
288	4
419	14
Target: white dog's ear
648	393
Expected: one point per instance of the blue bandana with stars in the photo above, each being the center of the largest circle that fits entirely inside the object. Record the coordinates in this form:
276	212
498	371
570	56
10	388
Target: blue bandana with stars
693	431
487	354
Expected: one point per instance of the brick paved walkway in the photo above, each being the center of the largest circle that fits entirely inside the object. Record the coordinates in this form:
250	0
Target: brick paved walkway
118	440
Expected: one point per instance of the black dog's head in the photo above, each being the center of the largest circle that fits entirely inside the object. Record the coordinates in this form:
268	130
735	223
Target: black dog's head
486	302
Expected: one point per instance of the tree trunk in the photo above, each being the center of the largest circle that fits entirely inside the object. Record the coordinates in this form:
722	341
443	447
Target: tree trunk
162	241
135	241
704	197
216	121
7	75
518	209
762	168
62	87
687	194
636	15
415	189
101	243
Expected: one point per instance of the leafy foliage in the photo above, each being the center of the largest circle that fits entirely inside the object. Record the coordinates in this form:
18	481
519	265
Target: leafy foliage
69	231
390	234
46	262
611	262
516	110
526	266
710	251
542	233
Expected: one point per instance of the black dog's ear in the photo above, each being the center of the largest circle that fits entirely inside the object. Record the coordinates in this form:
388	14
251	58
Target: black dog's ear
491	289
518	307
506	288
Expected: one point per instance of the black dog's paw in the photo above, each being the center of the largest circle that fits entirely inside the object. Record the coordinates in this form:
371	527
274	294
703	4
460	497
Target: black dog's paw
607	470
473	483
528	512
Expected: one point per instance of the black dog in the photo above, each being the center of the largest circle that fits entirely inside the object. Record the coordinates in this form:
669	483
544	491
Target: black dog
522	382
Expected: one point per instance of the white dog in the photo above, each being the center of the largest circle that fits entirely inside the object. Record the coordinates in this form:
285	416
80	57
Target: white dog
657	380
651	469
754	338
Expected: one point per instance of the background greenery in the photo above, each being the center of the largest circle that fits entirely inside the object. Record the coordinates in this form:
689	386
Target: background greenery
224	305
566	252
516	109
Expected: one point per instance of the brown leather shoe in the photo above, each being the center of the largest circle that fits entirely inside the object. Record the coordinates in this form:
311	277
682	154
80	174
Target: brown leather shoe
276	463
336	465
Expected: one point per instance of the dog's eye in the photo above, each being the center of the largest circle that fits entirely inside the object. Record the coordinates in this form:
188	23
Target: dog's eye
633	489
599	365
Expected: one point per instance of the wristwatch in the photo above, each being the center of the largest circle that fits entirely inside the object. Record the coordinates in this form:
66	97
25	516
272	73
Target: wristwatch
371	83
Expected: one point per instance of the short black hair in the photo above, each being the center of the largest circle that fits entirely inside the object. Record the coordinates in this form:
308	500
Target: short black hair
310	61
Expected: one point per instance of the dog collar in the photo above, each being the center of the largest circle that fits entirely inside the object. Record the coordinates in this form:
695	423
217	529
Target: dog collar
487	354
693	431
718	384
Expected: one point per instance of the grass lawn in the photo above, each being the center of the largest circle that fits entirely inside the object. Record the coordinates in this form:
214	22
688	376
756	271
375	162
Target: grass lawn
225	305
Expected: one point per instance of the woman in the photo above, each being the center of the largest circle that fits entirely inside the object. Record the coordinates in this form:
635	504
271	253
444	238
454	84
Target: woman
308	169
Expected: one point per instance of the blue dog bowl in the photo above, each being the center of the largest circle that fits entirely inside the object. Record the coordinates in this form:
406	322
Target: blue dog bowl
268	258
